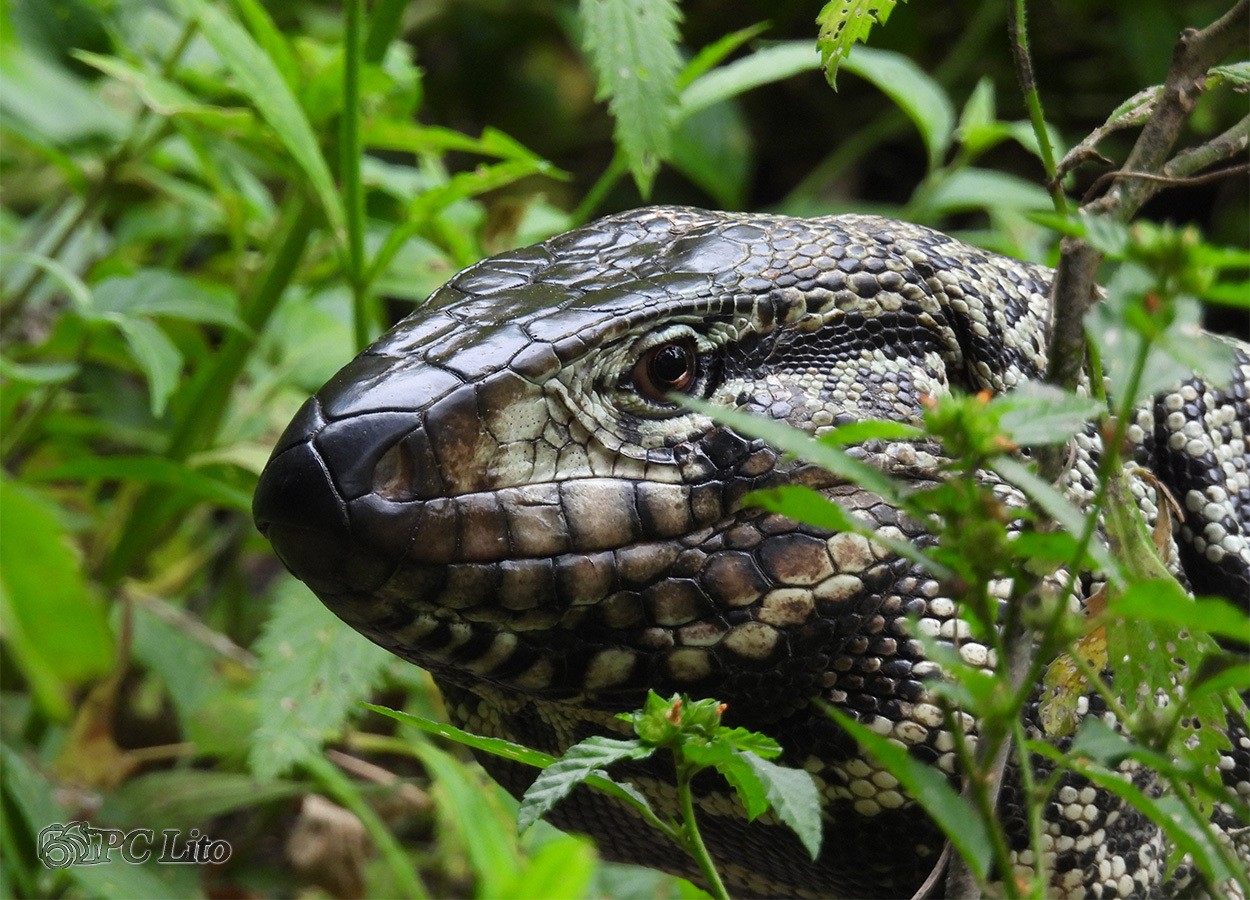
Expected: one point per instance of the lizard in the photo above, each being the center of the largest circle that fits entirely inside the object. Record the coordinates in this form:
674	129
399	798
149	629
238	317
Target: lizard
502	490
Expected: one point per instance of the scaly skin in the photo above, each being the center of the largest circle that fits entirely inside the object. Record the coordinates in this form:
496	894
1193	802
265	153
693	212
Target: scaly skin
489	492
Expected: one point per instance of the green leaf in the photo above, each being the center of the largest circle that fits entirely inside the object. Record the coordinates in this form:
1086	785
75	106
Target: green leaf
1037	413
270	39
35	799
514	752
155	354
765	66
150	470
799	444
51	104
564	869
714	53
978	112
915	93
971	189
469	809
751	741
954	814
162	96
633	49
871	430
494	746
54	626
1237	74
578	762
1151	645
747	784
184	798
313	674
713	149
806	505
156	292
842	24
77	291
261	80
37	373
794	797
1164	603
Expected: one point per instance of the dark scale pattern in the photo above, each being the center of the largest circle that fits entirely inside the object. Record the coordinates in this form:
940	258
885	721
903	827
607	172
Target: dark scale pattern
492	492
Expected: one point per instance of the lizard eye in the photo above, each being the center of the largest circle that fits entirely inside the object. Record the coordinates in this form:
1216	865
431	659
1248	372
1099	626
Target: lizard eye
665	368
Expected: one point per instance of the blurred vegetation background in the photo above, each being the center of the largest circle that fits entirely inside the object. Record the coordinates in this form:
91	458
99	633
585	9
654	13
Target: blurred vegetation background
195	237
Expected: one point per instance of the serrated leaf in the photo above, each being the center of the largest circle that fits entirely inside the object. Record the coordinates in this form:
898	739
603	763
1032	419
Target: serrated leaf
514	752
1151	656
793	796
842	24
746	783
633	49
156	292
1237	74
954	814
574	767
1037	413
752	741
313	673
54	627
1166	604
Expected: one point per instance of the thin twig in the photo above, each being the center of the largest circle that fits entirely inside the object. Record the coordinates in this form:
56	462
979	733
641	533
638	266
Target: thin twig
1165	180
1075	286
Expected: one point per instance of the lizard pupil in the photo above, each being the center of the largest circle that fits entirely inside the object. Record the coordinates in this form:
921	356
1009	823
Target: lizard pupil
665	368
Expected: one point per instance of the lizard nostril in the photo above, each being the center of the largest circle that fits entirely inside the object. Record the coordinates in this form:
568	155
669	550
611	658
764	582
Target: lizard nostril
395	474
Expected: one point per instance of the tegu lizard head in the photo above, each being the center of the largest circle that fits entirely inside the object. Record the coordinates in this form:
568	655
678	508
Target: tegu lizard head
501	489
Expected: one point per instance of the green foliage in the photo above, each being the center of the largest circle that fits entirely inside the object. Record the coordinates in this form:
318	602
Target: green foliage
633	46
842	24
42	587
311	677
209	206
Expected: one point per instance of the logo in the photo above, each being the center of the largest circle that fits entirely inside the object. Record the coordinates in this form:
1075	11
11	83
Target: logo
80	844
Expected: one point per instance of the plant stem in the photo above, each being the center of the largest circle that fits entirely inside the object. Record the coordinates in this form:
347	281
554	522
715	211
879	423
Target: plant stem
599	190
690	829
1017	27
350	154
